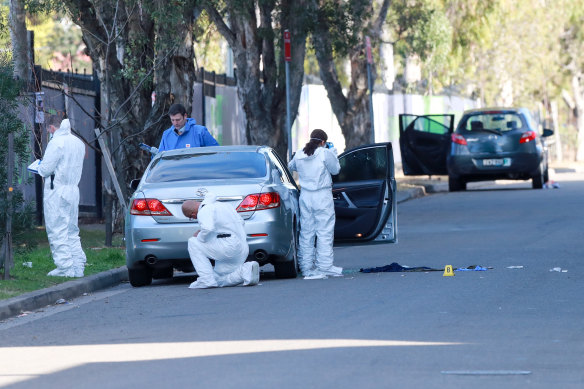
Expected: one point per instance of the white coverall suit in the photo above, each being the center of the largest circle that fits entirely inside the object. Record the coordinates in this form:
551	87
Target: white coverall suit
64	159
317	211
217	219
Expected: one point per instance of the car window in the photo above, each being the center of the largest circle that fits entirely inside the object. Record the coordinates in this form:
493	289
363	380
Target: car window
226	165
432	124
500	121
363	164
278	164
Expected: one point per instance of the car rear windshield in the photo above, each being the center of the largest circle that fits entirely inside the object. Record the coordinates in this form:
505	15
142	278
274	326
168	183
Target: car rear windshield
498	121
223	166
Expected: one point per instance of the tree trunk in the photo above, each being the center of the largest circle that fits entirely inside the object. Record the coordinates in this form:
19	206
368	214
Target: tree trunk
579	112
352	111
119	38
261	76
18	37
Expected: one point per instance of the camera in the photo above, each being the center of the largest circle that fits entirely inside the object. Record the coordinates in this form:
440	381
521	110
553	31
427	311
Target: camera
329	145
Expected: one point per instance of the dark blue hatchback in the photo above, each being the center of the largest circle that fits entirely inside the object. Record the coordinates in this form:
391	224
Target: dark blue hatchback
488	144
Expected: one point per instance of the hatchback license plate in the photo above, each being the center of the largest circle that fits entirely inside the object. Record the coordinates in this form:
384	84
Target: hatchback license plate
497	162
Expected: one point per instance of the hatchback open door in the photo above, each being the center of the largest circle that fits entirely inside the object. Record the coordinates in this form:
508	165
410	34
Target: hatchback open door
364	194
425	143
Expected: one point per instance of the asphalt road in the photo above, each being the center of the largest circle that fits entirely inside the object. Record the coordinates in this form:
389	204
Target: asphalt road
505	327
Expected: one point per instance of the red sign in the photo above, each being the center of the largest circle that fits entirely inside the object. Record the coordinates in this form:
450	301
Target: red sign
368	46
287	49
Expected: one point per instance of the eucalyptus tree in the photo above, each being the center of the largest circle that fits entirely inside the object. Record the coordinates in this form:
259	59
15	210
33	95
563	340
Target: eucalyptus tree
137	47
339	29
572	42
421	29
18	37
254	31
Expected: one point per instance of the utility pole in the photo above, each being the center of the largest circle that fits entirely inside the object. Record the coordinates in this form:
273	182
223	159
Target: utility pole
370	86
7	241
287	59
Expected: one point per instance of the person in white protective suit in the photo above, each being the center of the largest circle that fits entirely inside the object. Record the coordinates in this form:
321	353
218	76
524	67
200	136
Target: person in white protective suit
223	239
61	167
315	164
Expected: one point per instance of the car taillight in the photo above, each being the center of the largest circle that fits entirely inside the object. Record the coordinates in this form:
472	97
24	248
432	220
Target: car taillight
149	207
458	139
528	137
259	201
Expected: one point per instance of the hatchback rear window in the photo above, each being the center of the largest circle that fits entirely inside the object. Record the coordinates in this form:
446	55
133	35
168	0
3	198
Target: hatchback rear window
499	121
207	166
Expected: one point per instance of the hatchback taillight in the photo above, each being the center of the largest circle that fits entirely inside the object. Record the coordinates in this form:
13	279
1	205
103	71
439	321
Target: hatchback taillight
528	137
259	201
149	207
458	139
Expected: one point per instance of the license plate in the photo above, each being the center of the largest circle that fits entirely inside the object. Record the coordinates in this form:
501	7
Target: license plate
497	162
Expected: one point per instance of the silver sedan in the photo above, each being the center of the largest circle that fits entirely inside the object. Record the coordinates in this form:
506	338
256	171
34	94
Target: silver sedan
257	183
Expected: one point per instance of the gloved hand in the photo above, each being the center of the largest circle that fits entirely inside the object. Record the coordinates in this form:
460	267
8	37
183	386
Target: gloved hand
334	150
153	150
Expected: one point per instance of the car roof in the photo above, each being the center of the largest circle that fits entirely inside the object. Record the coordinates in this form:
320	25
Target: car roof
489	109
217	149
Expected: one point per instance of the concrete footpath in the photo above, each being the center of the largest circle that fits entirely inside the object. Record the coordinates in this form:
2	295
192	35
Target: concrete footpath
28	302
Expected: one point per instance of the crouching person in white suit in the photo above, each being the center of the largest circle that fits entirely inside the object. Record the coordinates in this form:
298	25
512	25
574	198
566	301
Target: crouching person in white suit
223	239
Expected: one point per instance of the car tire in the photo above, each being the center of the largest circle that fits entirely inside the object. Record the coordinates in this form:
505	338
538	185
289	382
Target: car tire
140	276
456	184
289	269
538	179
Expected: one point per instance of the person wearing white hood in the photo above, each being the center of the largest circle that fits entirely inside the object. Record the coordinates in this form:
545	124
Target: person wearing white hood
315	164
223	239
61	167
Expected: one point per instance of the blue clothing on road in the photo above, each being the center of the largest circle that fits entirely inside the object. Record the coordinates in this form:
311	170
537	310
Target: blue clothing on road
193	135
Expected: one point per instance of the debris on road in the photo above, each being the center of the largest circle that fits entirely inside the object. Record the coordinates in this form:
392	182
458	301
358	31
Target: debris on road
559	270
515	267
551	184
472	268
396	267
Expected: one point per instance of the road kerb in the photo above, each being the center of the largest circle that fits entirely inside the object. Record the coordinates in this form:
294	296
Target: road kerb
68	290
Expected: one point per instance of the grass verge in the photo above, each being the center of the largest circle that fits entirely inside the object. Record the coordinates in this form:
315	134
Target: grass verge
36	251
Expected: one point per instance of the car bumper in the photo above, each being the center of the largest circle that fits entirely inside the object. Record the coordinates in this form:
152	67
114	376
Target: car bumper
145	238
522	165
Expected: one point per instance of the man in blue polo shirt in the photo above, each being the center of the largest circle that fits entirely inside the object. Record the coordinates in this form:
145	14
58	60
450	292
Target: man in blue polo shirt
184	132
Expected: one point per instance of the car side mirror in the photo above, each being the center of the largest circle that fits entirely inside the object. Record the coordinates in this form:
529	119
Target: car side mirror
134	184
547	132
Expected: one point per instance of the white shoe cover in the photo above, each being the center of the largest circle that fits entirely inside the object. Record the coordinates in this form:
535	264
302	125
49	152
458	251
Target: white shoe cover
333	271
314	275
253	274
62	273
79	271
201	284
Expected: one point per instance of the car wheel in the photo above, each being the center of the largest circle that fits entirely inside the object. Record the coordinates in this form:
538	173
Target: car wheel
289	269
537	180
140	276
456	184
164	272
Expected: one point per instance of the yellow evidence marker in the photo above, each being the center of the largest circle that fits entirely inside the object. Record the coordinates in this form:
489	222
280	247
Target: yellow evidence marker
448	271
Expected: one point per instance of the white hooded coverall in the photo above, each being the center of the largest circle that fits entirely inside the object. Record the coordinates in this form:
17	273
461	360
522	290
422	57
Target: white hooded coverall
216	219
64	159
317	210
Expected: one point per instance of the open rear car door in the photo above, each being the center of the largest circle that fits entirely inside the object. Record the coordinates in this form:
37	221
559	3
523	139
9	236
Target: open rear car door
364	194
425	143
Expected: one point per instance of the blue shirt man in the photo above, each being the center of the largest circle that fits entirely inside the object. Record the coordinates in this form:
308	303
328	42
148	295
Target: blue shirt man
184	132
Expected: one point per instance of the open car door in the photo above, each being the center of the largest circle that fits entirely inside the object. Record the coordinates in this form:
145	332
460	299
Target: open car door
364	194
425	143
